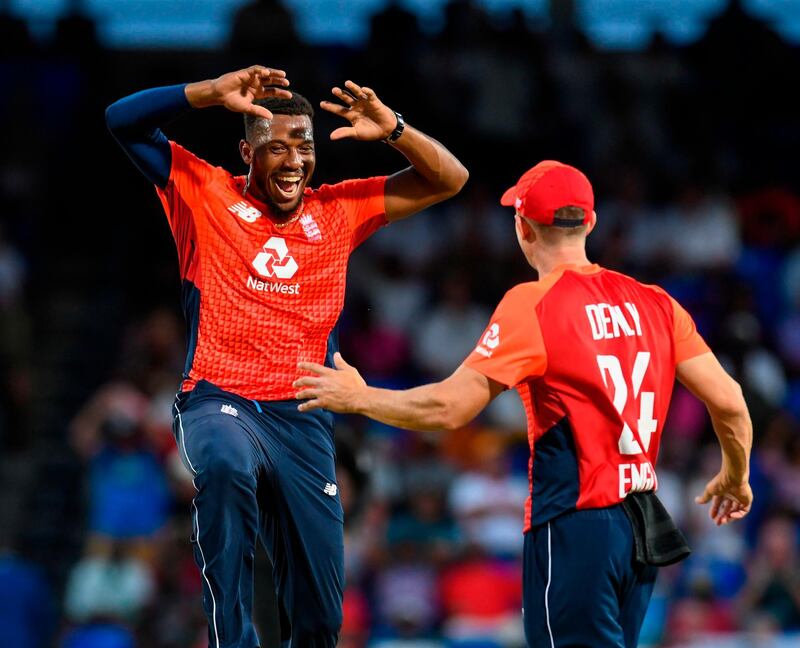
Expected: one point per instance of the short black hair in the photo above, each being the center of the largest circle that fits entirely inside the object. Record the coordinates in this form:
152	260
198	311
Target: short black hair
297	105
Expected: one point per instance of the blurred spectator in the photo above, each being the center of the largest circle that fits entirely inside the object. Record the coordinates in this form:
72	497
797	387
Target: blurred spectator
27	610
397	294
481	600
154	353
772	589
109	583
15	346
129	496
451	329
260	23
406	596
701	229
99	635
425	524
356	619
379	349
489	501
698	615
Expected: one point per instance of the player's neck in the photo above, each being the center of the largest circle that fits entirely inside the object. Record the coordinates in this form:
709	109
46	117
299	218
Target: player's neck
547	260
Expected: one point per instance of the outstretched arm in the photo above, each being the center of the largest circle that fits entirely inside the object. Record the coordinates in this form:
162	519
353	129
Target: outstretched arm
446	405
435	173
135	121
729	492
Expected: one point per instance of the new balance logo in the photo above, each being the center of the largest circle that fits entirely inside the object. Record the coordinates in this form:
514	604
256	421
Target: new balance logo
274	260
229	409
246	212
330	489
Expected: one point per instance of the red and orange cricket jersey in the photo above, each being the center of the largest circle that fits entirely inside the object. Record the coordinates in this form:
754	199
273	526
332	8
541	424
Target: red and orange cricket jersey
593	356
259	298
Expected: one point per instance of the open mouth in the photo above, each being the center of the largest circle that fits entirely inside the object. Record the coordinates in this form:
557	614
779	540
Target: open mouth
287	185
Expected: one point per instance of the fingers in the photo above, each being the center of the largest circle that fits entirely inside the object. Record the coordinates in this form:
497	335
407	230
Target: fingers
313	367
721	510
343	96
307	406
342	133
268	76
272	91
306	394
335	108
264	71
716	502
356	90
258	111
704	498
306	381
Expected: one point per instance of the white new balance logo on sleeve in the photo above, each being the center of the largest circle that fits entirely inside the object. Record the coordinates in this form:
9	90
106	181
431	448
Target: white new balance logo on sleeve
330	489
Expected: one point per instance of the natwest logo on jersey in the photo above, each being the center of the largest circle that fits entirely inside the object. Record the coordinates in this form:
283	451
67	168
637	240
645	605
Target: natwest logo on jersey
274	261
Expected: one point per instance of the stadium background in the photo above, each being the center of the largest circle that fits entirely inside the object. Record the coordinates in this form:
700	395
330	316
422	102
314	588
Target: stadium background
684	115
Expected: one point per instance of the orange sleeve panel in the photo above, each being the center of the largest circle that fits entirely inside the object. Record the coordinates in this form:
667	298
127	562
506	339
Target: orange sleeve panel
363	202
511	349
688	342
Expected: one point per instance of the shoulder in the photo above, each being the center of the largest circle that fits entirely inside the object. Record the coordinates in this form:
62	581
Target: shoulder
185	160
654	295
520	302
532	292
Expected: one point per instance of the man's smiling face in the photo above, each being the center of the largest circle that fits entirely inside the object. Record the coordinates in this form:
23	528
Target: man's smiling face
283	160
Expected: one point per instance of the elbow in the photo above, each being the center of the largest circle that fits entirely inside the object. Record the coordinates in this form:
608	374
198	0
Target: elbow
459	179
114	117
730	401
444	411
451	419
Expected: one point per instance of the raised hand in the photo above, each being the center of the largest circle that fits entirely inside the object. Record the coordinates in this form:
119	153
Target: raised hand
238	90
729	501
335	389
370	119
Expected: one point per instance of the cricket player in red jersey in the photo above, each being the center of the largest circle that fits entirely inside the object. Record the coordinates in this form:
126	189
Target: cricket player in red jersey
263	259
594	355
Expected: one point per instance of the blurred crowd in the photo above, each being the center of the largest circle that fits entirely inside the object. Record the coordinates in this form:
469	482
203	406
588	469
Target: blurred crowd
692	154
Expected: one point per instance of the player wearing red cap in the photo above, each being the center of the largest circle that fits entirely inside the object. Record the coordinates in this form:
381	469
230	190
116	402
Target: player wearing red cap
263	261
593	354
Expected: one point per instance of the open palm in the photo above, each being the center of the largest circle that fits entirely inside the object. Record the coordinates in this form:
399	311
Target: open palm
238	90
370	119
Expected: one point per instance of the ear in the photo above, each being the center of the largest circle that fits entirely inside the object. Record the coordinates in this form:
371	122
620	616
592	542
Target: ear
592	222
524	230
246	151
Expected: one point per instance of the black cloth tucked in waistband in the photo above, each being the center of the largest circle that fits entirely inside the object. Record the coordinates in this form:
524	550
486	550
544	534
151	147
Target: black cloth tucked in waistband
657	540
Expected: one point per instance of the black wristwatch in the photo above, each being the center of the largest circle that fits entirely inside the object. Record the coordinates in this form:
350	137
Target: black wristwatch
398	129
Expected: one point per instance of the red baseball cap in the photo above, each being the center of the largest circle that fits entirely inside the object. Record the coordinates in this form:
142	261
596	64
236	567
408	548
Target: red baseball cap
546	188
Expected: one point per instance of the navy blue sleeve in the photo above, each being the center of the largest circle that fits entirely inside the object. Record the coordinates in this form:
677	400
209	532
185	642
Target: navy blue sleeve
135	123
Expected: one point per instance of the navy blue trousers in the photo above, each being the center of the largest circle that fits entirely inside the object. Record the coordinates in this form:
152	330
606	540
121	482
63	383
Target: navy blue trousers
581	587
263	469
